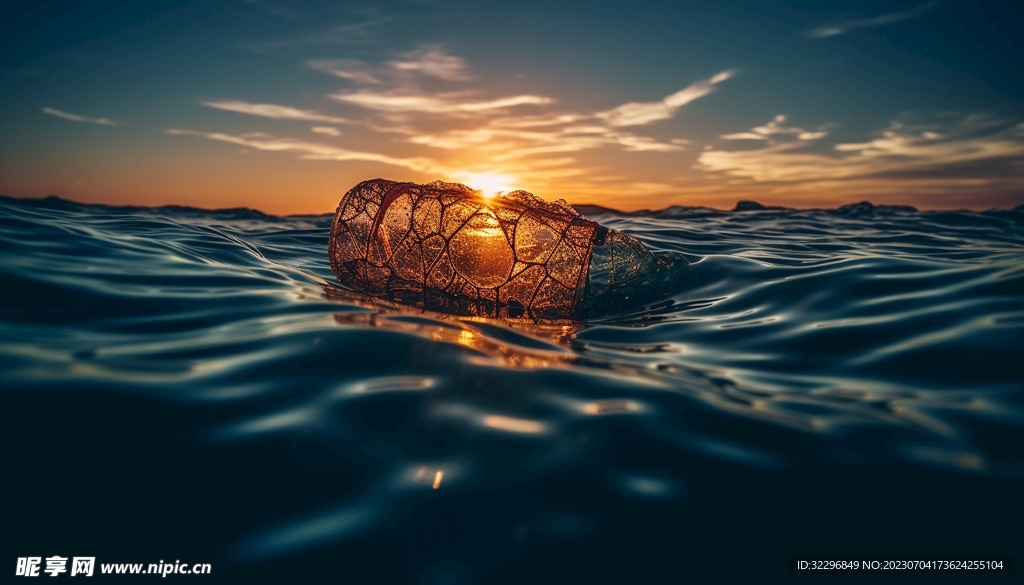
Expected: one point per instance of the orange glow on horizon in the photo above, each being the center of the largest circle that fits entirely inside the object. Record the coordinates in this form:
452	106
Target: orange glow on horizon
280	187
489	184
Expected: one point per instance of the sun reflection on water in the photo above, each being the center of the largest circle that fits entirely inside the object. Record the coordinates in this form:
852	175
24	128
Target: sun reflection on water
463	331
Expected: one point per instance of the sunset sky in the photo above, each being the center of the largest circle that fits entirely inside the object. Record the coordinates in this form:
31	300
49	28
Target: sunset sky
284	106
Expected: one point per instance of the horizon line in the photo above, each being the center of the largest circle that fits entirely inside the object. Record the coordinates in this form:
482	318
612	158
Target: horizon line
741	205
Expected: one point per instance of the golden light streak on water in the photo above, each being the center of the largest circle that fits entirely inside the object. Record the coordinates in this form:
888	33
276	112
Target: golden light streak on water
610	406
515	425
461	331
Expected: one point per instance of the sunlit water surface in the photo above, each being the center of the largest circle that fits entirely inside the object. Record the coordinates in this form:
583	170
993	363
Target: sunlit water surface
190	384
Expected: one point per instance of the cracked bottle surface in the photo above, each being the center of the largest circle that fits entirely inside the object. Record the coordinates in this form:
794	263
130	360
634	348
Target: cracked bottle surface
447	248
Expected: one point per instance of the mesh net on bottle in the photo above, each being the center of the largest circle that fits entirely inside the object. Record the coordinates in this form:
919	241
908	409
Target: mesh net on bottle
443	247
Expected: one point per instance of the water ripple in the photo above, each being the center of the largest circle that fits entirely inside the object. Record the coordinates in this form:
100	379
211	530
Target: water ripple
860	339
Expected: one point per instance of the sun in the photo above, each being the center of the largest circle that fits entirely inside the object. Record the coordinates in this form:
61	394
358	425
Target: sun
489	184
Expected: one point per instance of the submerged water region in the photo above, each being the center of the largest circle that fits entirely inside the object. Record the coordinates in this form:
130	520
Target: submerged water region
195	385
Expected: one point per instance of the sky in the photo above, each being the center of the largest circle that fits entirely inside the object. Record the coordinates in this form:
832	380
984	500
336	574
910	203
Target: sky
284	106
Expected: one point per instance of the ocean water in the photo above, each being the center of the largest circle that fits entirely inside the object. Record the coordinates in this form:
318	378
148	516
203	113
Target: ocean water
182	384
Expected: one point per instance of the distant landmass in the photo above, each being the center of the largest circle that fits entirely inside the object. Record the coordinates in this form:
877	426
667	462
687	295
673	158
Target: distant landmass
864	207
673	211
55	202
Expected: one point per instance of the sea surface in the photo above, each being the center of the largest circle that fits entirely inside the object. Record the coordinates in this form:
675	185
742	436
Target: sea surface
189	385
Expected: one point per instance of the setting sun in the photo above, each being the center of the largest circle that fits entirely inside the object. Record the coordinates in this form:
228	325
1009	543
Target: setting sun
490	184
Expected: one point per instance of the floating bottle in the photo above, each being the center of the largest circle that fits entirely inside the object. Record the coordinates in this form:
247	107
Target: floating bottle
444	247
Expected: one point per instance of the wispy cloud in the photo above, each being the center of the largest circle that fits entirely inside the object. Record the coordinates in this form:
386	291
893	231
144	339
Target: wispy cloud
432	61
885	19
273	111
350	69
639	113
312	150
508	144
902	156
539	121
775	127
77	118
352	27
403	93
426	101
494	128
401	85
435	104
510	137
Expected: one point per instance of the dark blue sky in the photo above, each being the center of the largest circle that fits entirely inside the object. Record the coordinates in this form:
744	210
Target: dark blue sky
283	106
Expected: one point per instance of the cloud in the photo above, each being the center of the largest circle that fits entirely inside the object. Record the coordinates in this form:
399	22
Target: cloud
897	151
773	128
403	78
644	144
812	135
538	121
886	19
434	104
353	27
640	113
511	136
312	150
77	118
512	143
425	100
432	61
273	111
425	61
350	69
